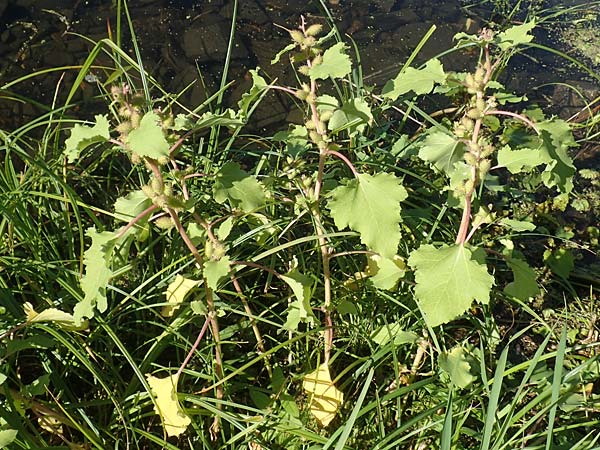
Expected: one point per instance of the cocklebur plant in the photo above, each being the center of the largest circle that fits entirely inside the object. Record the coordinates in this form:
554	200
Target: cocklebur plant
318	190
484	140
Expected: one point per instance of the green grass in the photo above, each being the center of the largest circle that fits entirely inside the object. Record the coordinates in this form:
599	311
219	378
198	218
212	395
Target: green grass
533	379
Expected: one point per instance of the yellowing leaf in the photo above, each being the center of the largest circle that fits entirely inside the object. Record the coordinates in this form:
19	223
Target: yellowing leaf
166	406
325	398
176	292
55	315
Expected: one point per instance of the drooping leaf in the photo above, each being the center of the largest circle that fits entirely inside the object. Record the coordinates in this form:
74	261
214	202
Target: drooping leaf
214	271
336	64
354	115
283	51
557	138
393	332
385	272
300	309
515	36
299	283
418	81
98	272
325	398
298	312
448	279
525	283
370	205
54	315
517	161
167	406
148	140
442	151
457	366
241	189
258	86
83	136
176	292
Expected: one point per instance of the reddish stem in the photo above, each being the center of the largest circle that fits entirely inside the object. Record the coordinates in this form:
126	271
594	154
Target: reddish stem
136	219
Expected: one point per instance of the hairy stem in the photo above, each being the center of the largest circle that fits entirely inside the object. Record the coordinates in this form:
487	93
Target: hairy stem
323	246
212	315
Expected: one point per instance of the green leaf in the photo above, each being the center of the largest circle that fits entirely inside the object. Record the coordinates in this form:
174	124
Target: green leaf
296	139
515	36
228	118
297	312
370	205
300	309
2	378
148	140
518	225
441	150
385	273
347	307
517	161
258	86
457	366
353	116
557	138
224	229
98	272
448	279
214	271
336	64
176	293
327	103
128	207
300	284
560	261
283	51
393	332
7	437
418	81
241	189
525	284
83	136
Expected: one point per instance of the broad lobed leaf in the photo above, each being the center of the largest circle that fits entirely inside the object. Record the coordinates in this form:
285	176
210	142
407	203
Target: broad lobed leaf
448	279
370	205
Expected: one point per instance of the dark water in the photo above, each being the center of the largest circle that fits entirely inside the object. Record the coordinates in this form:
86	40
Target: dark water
180	39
